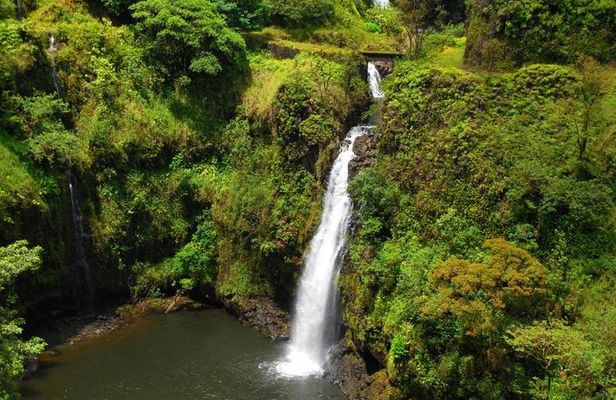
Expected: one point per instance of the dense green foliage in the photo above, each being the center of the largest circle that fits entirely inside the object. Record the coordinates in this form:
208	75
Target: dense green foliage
541	31
138	130
298	13
118	7
245	15
188	39
15	259
192	140
465	160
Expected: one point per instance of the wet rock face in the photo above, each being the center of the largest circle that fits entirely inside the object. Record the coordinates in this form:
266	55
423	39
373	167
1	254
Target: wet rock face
347	370
365	154
385	67
263	315
350	371
30	367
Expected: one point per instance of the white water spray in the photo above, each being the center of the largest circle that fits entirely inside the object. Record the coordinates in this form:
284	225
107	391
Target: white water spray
374	80
315	302
315	307
54	73
381	3
52	43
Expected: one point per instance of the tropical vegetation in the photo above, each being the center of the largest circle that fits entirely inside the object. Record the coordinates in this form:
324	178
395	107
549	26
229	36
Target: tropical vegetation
155	147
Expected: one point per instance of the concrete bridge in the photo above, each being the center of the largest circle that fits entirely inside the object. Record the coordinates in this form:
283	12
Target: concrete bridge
384	61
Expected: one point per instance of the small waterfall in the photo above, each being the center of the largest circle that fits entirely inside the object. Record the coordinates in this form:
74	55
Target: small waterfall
374	79
81	263
381	3
20	10
52	43
54	73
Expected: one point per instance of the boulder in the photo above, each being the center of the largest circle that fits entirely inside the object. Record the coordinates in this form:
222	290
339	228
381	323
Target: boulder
262	314
365	154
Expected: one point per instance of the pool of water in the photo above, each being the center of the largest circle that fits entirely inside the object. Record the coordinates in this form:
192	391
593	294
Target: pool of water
181	356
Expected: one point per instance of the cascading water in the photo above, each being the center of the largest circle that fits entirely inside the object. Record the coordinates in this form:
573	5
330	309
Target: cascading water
81	263
20	10
52	43
315	307
54	73
381	3
374	79
315	302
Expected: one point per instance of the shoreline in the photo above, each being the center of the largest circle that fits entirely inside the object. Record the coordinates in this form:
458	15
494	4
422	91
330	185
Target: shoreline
347	369
82	326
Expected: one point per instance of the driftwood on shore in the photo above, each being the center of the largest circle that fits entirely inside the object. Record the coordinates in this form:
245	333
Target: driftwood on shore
175	303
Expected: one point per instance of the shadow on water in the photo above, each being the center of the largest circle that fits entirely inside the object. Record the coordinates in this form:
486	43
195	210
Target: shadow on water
184	356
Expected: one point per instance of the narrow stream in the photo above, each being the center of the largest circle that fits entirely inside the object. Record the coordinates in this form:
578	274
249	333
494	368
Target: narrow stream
181	356
54	70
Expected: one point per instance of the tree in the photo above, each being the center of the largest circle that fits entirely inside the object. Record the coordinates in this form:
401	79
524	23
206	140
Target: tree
245	15
188	39
509	280
118	7
563	353
17	53
37	114
413	16
542	30
15	259
39	119
59	149
301	13
7	9
593	87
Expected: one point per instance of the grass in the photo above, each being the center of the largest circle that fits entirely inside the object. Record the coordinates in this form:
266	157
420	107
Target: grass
450	57
268	75
348	32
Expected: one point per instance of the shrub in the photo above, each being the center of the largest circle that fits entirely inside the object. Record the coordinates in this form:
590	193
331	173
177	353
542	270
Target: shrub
301	13
541	30
118	7
245	15
15	260
188	39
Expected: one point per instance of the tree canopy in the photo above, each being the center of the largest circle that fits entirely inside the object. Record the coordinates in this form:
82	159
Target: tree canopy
15	260
188	39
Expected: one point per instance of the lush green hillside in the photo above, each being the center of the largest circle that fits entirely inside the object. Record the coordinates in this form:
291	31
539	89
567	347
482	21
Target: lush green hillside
191	139
486	235
189	176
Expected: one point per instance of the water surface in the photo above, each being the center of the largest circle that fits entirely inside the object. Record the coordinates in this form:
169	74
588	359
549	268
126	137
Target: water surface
182	356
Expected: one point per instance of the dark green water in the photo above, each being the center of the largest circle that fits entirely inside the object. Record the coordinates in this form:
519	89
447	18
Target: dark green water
182	356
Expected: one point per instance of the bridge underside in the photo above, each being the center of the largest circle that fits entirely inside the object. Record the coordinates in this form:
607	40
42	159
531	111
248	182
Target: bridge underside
384	62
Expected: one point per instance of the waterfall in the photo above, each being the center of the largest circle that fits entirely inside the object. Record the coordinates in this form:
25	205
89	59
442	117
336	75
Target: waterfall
20	10
315	305
374	79
54	73
315	316
381	3
52	43
81	262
